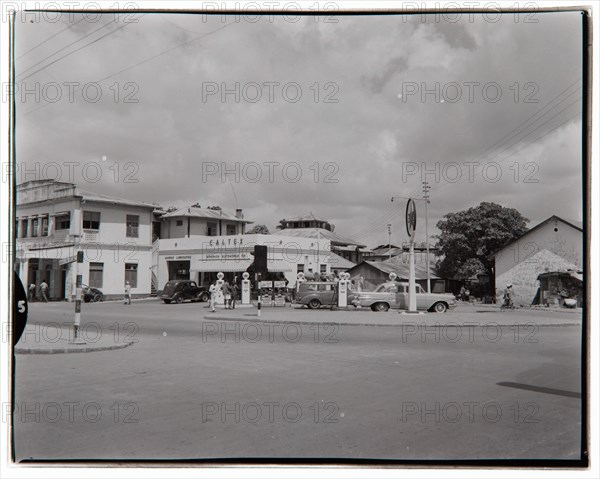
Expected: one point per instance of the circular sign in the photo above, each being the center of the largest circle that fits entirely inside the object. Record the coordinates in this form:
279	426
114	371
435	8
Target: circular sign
245	275
19	309
220	276
393	276
411	218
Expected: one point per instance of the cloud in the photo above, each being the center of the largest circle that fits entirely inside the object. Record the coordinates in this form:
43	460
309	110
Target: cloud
347	105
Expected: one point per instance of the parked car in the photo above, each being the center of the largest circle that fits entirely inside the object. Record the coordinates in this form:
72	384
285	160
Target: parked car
395	295
91	295
180	290
315	294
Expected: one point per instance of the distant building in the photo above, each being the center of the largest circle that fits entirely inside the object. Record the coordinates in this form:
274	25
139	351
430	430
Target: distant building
377	272
192	221
55	219
310	226
554	245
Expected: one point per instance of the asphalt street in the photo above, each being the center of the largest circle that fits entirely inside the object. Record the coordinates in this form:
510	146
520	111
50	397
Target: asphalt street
469	384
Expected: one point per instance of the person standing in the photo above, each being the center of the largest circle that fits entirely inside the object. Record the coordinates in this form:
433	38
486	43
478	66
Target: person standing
44	291
31	292
508	302
213	296
361	284
227	294
127	293
234	293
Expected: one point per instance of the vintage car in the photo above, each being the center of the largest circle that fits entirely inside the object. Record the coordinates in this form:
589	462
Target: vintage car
395	295
181	290
315	294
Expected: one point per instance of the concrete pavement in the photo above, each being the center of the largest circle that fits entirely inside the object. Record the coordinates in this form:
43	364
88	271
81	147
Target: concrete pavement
464	315
57	339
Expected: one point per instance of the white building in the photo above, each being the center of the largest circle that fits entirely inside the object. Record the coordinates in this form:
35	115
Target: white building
200	258
553	245
55	219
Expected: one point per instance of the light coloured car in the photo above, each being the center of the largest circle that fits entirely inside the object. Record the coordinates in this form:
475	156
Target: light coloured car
315	294
395	295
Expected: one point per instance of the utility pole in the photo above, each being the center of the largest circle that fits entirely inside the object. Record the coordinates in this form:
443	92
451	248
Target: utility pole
426	188
389	226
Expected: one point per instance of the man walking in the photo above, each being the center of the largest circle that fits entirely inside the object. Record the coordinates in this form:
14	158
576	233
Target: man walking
44	291
31	292
127	293
213	296
227	294
234	293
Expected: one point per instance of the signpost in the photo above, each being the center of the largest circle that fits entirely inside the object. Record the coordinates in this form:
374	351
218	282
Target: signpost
411	225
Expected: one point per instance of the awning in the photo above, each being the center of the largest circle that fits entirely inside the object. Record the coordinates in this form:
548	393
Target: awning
230	266
279	266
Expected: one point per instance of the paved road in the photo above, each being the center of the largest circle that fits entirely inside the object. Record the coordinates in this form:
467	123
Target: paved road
210	388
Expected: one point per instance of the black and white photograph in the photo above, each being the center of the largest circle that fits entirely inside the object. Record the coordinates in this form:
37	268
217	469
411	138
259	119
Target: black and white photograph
298	234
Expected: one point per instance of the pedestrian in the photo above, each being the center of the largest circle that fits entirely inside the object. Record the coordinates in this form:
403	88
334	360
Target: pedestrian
508	302
467	295
234	293
462	293
44	291
361	284
32	292
213	296
227	294
127	293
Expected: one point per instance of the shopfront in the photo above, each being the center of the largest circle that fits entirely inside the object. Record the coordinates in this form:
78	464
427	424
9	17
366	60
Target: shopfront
201	258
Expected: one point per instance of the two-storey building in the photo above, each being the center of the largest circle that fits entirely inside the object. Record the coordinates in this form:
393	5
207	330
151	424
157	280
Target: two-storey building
54	220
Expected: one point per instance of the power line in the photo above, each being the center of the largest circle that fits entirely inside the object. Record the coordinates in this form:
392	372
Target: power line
75	51
49	38
140	63
509	136
64	48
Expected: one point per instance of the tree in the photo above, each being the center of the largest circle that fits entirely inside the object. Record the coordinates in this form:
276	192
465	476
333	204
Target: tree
281	225
258	230
469	237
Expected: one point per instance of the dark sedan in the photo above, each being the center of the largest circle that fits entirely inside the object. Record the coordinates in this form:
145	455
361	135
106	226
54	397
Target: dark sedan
182	290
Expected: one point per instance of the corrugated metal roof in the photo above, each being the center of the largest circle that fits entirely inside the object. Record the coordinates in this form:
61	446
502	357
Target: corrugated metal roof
309	217
193	212
401	269
89	196
321	233
338	262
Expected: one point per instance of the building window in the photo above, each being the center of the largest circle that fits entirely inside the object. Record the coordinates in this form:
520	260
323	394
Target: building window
63	222
45	226
34	227
96	270
300	268
131	270
133	225
211	229
230	230
17	228
25	224
91	220
179	222
323	268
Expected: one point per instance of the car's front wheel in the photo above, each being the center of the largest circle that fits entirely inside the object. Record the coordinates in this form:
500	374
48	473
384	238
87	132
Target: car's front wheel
380	307
314	303
440	307
179	299
97	298
204	297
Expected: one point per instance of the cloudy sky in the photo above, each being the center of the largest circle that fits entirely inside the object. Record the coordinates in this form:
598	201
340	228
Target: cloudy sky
335	116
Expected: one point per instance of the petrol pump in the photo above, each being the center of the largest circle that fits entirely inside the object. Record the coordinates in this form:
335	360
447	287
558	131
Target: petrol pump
343	282
245	288
220	297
